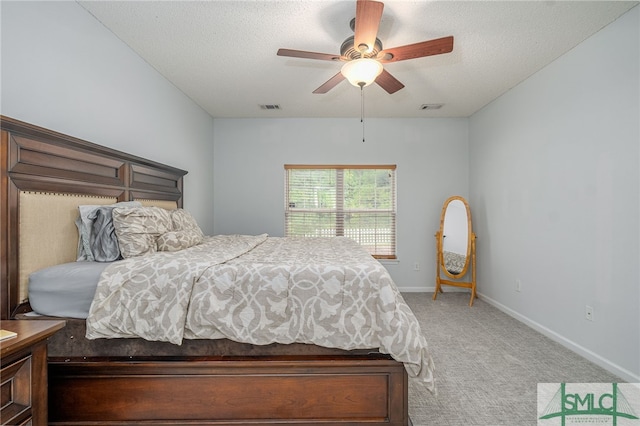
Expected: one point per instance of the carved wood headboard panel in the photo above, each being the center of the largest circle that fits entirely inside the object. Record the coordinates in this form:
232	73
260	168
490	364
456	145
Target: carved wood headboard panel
38	160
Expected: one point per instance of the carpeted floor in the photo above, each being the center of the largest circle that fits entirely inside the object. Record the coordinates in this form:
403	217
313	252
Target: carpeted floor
488	364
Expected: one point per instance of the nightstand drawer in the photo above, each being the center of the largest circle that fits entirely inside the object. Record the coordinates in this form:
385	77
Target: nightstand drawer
15	392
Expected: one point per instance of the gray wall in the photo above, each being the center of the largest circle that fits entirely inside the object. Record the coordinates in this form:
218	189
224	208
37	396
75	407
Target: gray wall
431	155
61	69
555	191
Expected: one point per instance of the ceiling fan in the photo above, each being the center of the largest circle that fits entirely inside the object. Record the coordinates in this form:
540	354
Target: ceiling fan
363	52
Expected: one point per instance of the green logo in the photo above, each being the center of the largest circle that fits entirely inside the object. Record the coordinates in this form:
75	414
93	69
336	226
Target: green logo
589	403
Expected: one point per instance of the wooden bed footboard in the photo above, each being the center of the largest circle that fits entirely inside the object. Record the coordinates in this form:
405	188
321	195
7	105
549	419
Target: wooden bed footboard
216	391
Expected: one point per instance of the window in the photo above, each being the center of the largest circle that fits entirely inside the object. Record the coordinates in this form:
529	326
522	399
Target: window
358	202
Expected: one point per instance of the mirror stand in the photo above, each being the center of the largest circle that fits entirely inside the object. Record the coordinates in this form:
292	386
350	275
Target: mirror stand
455	247
440	261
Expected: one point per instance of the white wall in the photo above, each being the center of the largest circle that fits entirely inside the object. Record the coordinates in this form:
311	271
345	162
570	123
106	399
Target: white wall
431	155
63	70
554	184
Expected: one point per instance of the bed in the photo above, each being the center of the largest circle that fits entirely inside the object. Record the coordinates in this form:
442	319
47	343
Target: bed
202	374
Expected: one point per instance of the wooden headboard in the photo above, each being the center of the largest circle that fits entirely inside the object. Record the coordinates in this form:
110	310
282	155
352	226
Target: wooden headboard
41	161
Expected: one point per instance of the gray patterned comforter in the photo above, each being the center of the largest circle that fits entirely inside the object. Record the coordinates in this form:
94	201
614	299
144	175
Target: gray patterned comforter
259	290
454	262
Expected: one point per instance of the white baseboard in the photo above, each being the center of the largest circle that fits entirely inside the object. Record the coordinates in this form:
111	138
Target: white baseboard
580	350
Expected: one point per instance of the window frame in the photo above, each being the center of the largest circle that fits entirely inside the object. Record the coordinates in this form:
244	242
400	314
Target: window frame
339	210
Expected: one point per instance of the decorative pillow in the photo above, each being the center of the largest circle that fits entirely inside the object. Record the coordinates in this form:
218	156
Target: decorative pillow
183	221
97	240
138	229
178	240
185	232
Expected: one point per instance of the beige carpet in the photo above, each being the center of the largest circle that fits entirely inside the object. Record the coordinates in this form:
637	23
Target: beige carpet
488	364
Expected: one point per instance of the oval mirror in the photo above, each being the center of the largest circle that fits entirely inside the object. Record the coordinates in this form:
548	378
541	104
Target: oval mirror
455	224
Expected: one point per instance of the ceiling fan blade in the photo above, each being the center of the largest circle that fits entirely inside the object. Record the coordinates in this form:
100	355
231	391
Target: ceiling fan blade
417	50
368	15
308	55
389	82
330	84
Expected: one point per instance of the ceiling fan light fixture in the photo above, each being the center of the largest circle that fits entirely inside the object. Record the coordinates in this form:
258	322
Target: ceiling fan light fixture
361	72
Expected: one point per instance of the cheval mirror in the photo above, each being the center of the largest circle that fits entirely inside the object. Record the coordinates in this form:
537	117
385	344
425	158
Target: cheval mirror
455	247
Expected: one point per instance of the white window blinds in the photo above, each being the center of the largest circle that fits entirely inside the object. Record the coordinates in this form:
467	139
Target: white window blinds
355	201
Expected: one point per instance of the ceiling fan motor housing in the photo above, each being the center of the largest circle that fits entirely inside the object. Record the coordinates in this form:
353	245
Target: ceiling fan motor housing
349	50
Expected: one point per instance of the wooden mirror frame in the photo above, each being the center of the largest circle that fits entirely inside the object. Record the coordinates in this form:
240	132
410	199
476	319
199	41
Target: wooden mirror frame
470	261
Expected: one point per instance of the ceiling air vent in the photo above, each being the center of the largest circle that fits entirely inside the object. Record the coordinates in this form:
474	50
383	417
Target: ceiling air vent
270	106
431	106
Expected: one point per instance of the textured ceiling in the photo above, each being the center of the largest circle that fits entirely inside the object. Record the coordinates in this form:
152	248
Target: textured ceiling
222	54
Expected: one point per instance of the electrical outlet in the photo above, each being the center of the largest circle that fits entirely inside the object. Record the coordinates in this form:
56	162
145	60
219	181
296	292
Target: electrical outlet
518	285
588	313
416	266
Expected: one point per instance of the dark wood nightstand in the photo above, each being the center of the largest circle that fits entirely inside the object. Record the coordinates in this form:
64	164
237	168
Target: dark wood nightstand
24	371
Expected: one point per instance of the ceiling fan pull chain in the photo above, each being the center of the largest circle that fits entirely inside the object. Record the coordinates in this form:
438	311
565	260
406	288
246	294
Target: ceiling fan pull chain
362	110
